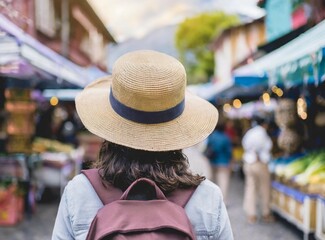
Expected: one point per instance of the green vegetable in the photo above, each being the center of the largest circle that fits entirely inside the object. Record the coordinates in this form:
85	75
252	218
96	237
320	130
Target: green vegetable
301	164
296	167
316	165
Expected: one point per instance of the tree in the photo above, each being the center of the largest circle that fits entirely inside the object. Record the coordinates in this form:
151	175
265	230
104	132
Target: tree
192	40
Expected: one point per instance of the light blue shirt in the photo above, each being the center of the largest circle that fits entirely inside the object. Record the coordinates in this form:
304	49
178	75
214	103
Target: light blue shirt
80	203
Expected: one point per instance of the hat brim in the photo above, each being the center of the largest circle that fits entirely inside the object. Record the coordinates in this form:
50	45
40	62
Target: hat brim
196	122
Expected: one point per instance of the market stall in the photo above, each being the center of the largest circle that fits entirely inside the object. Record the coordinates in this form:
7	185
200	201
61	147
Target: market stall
26	64
27	164
298	187
295	76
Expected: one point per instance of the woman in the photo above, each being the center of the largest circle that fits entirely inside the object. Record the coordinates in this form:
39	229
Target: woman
146	118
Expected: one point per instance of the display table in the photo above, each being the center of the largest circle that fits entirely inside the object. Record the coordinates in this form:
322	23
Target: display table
297	207
57	168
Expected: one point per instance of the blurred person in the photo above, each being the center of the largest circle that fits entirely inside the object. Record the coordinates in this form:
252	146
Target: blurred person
44	125
146	118
257	153
231	131
220	157
68	128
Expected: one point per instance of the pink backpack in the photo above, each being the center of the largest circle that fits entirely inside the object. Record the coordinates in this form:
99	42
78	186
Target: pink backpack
125	216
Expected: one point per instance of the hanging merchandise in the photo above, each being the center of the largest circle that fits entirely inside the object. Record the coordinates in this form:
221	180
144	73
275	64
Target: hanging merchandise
285	114
290	139
20	120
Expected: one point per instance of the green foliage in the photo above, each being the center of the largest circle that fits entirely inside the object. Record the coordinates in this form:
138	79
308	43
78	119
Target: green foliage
193	38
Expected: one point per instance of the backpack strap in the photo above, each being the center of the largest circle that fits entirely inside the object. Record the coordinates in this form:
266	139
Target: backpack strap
181	196
108	193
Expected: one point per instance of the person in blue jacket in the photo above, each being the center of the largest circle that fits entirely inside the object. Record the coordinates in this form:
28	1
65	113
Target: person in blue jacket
220	148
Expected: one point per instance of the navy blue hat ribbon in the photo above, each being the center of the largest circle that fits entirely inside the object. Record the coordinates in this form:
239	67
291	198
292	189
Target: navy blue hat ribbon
143	116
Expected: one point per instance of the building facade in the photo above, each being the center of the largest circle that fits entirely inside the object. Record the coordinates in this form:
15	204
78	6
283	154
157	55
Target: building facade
69	27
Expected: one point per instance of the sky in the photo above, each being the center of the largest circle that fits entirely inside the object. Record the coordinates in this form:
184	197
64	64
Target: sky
127	19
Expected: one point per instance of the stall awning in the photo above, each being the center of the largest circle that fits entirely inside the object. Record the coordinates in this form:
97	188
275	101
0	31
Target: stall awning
299	60
13	64
208	90
23	46
61	94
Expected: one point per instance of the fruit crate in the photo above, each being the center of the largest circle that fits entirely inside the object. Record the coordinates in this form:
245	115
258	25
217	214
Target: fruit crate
296	207
320	222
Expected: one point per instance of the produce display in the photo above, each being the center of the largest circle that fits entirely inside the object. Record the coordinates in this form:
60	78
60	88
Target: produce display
314	173
278	166
47	145
299	183
304	171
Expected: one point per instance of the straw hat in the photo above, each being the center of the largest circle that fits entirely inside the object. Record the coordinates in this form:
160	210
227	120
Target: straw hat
144	105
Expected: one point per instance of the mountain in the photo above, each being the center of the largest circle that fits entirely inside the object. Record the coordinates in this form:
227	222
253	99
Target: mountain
161	40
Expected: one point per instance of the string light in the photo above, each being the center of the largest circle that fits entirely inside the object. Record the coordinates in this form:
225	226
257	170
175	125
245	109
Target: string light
54	101
226	107
266	98
237	103
279	92
303	115
274	88
302	108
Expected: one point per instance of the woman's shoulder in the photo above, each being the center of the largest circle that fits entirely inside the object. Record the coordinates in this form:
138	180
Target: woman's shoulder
205	209
80	188
208	188
78	180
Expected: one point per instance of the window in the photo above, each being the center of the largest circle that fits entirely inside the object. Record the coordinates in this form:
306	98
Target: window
45	17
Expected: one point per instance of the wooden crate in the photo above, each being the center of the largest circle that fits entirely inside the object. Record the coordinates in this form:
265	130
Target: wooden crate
275	195
297	207
320	222
305	213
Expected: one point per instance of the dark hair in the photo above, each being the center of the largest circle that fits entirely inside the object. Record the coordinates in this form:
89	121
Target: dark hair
259	119
220	127
120	166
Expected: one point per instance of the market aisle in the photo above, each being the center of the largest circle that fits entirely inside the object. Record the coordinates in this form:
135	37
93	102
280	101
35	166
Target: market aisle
39	227
280	230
